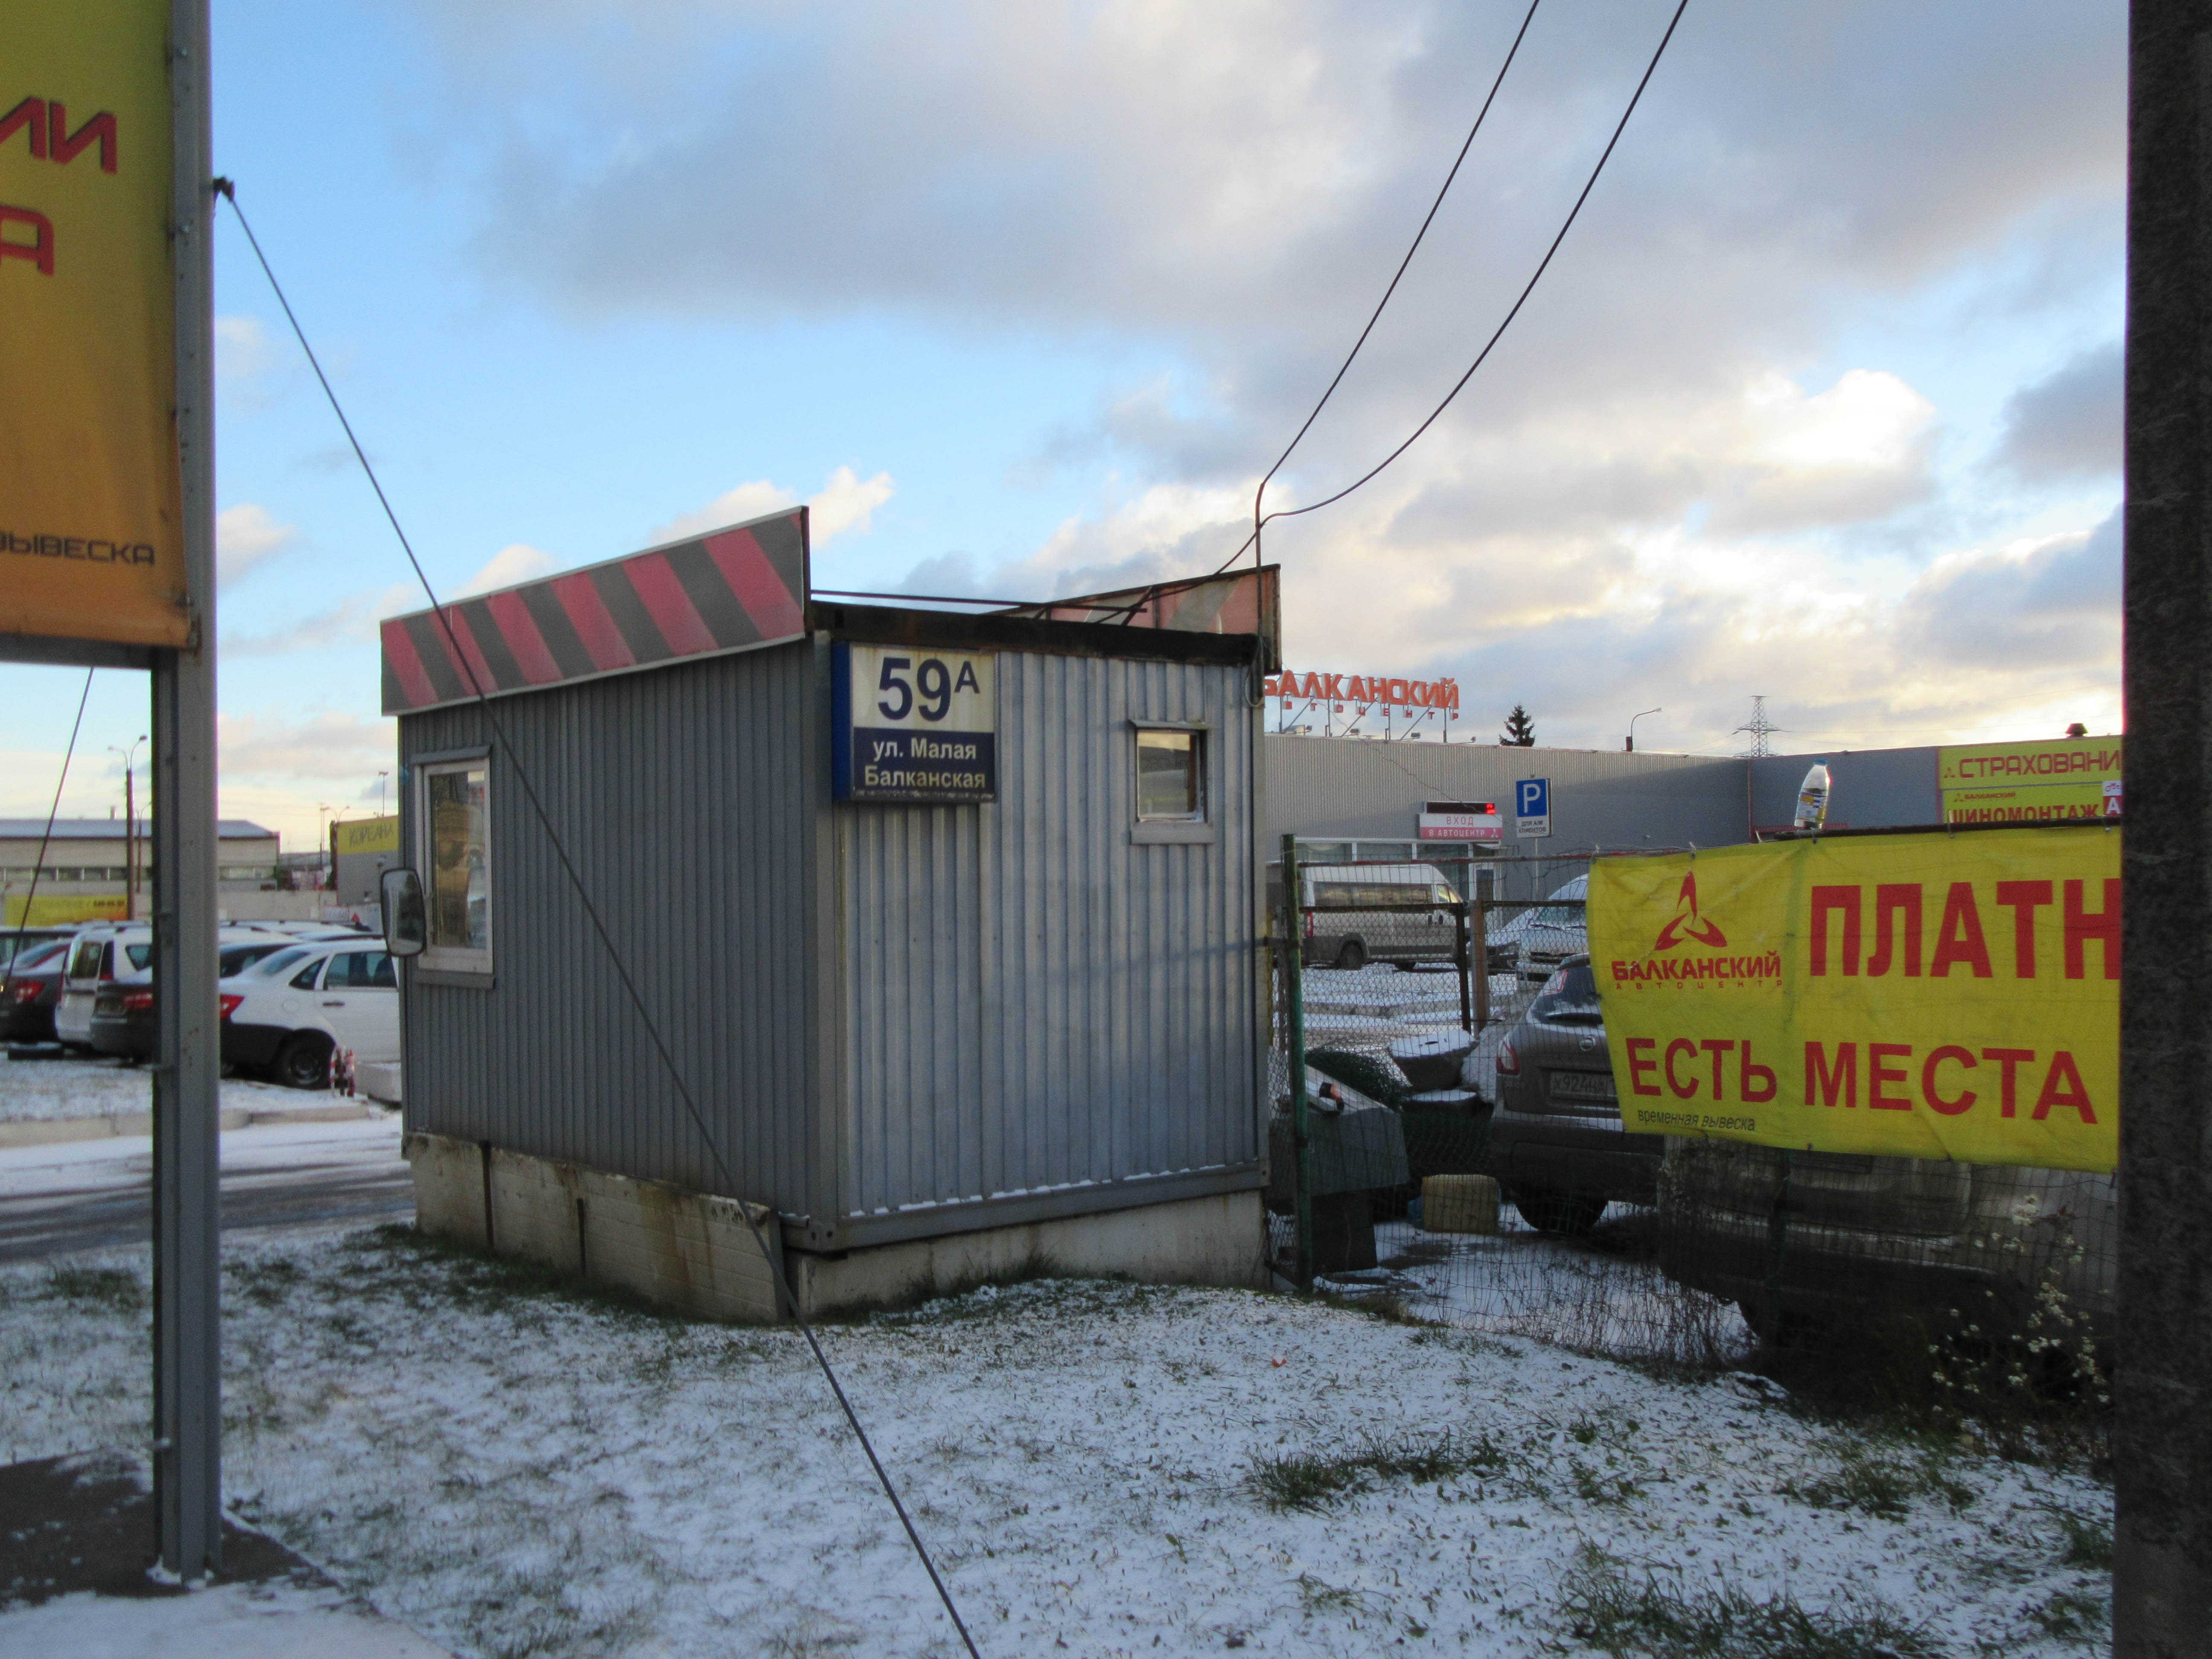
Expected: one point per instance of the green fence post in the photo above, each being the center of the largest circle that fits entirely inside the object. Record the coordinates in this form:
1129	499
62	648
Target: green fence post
1294	1009
1465	977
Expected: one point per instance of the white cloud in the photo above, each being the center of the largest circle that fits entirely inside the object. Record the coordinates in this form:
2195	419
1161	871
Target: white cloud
312	751
1695	464
246	536
756	500
351	620
517	562
242	350
845	501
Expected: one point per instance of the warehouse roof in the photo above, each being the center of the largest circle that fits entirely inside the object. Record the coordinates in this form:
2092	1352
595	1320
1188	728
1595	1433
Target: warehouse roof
112	829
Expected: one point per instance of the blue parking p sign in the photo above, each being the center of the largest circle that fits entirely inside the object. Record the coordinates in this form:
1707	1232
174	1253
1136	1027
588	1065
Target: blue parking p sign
1532	809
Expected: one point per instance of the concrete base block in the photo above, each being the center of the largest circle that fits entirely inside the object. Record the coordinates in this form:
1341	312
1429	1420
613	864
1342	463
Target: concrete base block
694	1251
691	1250
378	1079
449	1187
1195	1240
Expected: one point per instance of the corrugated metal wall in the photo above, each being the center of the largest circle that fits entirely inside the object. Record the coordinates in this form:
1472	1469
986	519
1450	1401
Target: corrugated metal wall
684	797
1320	788
1871	789
1032	1002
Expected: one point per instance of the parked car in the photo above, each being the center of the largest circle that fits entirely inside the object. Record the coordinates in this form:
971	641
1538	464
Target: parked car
34	986
2012	1252
1355	914
123	1009
98	954
289	1012
1556	1143
1539	939
15	940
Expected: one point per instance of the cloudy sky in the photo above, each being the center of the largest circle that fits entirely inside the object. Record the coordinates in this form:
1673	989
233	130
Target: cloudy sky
1820	399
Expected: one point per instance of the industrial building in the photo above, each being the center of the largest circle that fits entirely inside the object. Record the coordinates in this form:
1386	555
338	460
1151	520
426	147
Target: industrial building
87	871
1349	799
952	924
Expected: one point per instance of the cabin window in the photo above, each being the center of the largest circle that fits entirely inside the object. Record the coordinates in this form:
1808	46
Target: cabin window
1170	776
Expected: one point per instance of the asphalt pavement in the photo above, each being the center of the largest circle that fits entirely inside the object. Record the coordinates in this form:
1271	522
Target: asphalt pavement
91	1196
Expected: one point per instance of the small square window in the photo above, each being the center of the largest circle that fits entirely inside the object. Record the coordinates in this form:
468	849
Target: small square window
1170	777
456	841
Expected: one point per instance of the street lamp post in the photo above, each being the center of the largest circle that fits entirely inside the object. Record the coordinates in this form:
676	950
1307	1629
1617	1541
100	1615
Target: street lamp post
1632	719
130	826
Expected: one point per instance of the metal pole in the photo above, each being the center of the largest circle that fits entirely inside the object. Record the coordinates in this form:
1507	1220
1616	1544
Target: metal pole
2162	1433
1466	988
1294	1002
1482	965
187	1338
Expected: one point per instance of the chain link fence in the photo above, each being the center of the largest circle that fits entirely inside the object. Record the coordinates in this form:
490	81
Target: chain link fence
1464	1158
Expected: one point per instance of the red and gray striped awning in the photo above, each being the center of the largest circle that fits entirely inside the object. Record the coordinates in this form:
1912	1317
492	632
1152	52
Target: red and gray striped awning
735	590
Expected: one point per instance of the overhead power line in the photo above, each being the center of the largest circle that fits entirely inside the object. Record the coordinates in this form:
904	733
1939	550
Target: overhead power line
1375	317
224	188
1490	345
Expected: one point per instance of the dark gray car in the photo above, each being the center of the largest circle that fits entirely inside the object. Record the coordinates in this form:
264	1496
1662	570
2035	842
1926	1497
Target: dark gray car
1556	1143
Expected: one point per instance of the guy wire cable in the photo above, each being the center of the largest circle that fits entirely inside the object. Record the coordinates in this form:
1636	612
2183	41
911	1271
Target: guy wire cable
224	188
1542	265
1428	219
8	981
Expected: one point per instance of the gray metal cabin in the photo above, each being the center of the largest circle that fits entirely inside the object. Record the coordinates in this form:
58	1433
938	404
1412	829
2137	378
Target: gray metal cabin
896	1019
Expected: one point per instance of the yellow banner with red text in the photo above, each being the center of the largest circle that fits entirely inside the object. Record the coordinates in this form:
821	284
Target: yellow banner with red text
91	520
1935	996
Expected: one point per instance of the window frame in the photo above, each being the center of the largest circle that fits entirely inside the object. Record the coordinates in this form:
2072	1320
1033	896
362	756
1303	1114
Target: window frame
470	965
1196	829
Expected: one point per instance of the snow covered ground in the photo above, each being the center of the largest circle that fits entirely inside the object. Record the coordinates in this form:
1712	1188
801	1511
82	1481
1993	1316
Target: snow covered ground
513	1468
76	1088
228	1621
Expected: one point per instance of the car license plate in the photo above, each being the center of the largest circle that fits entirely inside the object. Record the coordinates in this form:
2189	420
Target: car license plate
1582	1085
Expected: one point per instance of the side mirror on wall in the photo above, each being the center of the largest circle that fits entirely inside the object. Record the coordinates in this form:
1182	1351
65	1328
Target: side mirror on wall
406	929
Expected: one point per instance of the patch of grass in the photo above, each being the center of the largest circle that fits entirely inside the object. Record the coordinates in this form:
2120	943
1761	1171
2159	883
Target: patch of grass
1596	1486
923	1291
422	1269
116	1289
1880	1481
2071	1616
265	1281
1310	1480
1316	1597
1389	1308
1620	1613
2088	1539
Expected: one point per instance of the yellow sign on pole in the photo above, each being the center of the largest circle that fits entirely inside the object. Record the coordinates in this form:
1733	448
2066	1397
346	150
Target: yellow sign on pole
1935	996
366	835
2030	782
91	516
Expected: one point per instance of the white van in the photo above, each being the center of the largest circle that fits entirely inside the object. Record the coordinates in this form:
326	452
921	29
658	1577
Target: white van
99	954
1353	913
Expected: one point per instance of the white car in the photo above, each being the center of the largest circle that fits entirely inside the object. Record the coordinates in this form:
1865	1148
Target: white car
291	1011
1543	936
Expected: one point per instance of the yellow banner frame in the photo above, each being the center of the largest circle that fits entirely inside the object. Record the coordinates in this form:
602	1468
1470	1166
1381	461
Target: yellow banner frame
92	530
1934	995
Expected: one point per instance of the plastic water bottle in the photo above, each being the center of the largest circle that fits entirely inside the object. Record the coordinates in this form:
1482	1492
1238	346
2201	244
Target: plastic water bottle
1813	798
